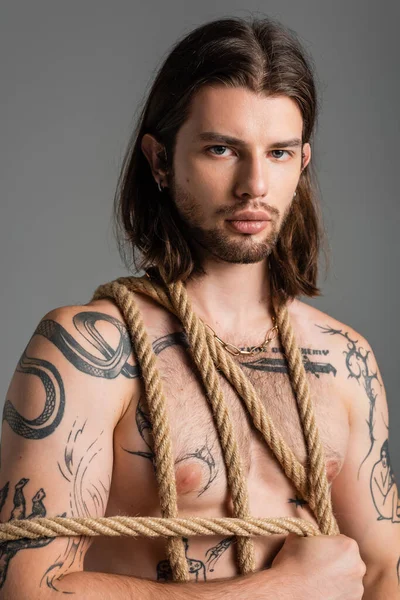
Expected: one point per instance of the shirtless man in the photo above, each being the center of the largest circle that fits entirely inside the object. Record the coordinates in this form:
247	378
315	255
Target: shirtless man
235	221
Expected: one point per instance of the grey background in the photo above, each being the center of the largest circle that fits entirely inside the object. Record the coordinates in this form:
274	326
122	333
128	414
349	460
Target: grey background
73	75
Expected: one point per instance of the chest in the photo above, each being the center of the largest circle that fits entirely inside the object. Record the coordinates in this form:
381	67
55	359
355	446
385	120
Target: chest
199	462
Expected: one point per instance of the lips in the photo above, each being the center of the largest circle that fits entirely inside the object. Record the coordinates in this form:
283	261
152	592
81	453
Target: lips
249	221
250	215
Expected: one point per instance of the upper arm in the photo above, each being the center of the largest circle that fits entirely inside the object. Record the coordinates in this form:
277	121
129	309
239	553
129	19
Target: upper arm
70	388
364	494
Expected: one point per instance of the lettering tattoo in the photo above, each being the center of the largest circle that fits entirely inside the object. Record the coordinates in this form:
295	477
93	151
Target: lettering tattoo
359	369
279	365
196	567
383	487
87	498
266	364
113	363
276	349
9	549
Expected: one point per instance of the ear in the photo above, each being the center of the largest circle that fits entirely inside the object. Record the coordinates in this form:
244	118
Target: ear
306	155
155	154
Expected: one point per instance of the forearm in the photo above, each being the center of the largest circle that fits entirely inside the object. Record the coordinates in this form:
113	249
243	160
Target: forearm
101	586
265	585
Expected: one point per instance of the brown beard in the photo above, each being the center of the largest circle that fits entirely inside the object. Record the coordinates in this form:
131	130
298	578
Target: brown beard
218	242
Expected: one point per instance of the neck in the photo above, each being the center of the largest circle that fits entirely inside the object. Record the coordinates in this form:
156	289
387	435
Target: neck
232	297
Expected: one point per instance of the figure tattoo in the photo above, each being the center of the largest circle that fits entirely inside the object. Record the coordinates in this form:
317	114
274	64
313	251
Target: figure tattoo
383	487
196	567
86	498
359	369
9	549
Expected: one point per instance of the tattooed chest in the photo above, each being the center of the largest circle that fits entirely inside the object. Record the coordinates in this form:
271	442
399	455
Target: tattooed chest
199	463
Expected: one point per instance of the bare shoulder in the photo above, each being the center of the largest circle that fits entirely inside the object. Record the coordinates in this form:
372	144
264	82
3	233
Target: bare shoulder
104	307
349	352
91	347
99	322
313	323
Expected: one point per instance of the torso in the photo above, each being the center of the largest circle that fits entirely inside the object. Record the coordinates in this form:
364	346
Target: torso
200	471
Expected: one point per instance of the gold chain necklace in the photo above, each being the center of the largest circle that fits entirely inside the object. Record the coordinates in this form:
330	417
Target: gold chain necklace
251	351
235	351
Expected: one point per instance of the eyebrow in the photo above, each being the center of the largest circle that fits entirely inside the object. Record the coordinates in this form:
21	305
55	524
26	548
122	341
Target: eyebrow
213	136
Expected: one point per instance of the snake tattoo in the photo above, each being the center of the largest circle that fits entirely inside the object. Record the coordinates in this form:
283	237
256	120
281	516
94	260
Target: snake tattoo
112	363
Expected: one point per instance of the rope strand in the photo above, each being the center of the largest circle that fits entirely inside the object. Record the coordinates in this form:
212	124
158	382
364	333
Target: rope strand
163	455
195	330
152	527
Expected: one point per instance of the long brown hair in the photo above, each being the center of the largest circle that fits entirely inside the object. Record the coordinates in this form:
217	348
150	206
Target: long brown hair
263	56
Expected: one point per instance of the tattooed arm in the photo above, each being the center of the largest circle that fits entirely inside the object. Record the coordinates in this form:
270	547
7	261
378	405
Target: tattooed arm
364	494
72	385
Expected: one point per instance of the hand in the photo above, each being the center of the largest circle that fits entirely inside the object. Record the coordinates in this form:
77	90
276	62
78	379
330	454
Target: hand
322	567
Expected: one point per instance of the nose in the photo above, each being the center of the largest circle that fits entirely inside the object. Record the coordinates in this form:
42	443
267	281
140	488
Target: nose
252	178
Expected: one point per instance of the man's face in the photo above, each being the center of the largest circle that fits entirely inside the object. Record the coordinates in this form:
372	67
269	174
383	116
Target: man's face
215	180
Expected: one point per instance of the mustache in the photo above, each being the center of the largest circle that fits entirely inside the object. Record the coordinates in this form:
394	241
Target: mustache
228	211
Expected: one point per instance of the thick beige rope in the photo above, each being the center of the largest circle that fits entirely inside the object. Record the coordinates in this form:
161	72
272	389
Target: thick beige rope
152	527
163	456
236	480
209	358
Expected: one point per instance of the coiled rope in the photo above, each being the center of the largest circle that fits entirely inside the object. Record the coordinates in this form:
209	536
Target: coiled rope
209	358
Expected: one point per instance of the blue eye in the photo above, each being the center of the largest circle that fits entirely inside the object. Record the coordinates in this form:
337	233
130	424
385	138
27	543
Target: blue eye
212	147
278	157
216	153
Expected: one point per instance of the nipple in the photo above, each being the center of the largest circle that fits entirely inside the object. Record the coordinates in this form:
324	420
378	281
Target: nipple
332	469
189	477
